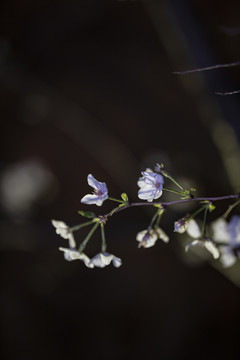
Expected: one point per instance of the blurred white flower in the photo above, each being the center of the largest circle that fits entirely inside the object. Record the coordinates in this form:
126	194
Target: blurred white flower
227	235
103	259
23	184
151	185
194	231
63	230
72	254
148	238
100	192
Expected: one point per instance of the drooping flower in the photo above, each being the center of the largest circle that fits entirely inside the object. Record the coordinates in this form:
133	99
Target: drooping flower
193	231
100	192
227	235
73	254
148	238
63	230
103	259
151	185
181	225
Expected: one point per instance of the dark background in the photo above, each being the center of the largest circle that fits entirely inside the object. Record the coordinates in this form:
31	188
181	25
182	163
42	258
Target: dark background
88	87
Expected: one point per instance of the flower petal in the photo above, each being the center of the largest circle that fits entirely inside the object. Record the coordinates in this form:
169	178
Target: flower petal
234	229
117	262
212	249
147	238
220	231
149	193
71	254
180	226
227	256
61	228
90	199
192	243
162	235
193	229
97	185
103	259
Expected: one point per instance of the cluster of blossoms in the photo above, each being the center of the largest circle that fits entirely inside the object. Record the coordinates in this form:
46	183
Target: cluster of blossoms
221	239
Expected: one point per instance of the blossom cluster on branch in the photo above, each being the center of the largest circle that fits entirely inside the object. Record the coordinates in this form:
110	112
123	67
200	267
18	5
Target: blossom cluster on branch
220	238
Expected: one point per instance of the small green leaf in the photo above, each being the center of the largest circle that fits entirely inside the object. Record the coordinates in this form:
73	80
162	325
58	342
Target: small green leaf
87	214
211	207
124	197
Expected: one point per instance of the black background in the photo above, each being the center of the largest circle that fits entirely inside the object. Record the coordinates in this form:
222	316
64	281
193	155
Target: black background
88	87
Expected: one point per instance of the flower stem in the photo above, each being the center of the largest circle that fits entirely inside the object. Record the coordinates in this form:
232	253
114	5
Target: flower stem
204	222
117	200
230	208
77	227
104	244
173	191
167	175
196	213
165	204
88	237
153	219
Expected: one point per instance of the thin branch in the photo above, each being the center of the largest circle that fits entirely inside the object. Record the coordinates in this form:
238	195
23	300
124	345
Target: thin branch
236	63
228	92
164	204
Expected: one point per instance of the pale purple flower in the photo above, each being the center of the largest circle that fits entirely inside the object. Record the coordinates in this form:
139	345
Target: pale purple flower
148	238
194	231
103	259
151	185
181	225
100	192
228	237
73	254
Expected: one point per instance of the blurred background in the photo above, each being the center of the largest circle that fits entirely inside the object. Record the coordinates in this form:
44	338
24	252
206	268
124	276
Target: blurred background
88	87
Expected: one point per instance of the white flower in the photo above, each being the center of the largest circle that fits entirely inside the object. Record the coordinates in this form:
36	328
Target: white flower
103	259
72	254
100	192
193	231
148	238
181	225
63	230
228	236
151	185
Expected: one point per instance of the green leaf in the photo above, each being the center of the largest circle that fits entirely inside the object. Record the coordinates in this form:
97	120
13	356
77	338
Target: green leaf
124	197
87	214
